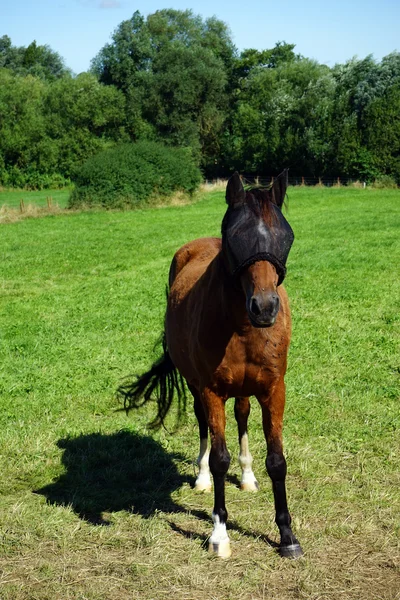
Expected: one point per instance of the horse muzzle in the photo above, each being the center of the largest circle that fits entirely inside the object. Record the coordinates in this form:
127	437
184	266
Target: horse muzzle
263	309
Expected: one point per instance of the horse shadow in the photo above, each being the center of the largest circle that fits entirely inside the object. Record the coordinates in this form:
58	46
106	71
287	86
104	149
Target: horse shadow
124	471
110	473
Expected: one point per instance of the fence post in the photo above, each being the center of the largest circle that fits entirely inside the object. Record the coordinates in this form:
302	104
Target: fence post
302	181
22	205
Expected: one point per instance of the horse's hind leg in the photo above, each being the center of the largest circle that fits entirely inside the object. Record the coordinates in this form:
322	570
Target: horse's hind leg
203	481
272	406
242	411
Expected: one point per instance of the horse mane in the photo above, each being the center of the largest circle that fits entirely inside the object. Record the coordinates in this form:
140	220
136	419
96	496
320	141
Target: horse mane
263	206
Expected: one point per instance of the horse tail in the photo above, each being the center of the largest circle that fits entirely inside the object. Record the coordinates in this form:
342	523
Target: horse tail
163	380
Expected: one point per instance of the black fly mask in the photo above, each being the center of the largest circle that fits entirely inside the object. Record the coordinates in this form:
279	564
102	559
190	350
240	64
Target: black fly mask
254	227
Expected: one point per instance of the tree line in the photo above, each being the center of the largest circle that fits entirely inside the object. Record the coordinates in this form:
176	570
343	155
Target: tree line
176	78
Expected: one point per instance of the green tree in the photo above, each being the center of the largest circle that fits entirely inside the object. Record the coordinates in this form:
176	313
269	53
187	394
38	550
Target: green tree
40	61
174	69
250	59
82	117
364	110
22	126
382	134
47	128
282	113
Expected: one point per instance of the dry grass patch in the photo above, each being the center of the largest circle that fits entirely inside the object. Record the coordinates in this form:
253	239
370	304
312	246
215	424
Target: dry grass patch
165	555
29	211
214	186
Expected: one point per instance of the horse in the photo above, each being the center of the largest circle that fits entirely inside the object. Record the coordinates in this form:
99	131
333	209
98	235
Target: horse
227	334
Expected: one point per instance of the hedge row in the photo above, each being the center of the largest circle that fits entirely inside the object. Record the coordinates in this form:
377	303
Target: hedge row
133	175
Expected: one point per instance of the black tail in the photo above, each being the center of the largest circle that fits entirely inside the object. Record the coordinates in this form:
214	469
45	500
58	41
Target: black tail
164	379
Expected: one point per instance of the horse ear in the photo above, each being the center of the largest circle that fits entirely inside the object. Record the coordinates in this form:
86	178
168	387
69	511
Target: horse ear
279	187
235	193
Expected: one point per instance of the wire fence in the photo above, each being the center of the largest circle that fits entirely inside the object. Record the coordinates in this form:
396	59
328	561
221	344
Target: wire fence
266	180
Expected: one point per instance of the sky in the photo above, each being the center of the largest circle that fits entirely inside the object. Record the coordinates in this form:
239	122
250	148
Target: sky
329	31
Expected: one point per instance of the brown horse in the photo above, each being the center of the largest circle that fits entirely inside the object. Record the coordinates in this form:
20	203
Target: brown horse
227	333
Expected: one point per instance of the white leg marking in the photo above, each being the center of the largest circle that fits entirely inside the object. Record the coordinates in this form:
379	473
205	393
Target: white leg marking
219	541
248	482
203	481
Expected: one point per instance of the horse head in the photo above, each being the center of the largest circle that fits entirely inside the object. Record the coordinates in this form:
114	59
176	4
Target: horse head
256	240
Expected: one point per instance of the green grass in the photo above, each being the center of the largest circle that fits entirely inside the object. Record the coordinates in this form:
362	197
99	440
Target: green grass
12	198
94	506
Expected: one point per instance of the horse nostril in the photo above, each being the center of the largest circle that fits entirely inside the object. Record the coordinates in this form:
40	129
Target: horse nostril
255	309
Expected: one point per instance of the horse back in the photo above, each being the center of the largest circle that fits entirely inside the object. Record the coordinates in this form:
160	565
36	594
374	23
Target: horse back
199	253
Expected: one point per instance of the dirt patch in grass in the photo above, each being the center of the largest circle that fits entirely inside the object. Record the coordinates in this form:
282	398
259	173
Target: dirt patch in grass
29	211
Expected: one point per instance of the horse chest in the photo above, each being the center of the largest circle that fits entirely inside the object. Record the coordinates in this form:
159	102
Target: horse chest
250	366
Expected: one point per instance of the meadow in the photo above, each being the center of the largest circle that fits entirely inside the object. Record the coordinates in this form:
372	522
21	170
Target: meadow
38	198
94	505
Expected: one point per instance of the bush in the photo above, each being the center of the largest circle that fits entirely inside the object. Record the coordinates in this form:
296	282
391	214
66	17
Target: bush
384	181
133	175
31	179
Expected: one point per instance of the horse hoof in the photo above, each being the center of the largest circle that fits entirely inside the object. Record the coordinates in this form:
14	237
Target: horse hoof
202	487
221	549
249	486
292	551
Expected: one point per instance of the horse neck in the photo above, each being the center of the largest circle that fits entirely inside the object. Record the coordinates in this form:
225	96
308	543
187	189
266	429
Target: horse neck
230	297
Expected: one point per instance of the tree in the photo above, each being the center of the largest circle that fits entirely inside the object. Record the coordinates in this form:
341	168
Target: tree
382	134
40	61
282	113
365	138
82	117
250	59
173	68
22	126
47	128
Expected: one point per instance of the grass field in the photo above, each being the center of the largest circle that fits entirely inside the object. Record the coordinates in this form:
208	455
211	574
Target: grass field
12	198
16	205
95	506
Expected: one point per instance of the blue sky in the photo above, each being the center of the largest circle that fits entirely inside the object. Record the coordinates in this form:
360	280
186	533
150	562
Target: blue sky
330	32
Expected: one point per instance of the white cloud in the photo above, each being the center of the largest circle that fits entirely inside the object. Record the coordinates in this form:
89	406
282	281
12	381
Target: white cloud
110	4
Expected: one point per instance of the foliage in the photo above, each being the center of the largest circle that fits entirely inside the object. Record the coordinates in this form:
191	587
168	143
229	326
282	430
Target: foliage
250	59
173	69
366	128
39	61
83	117
384	182
132	175
279	118
176	77
46	128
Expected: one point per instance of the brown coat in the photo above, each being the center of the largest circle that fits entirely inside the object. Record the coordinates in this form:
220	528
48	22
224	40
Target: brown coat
209	336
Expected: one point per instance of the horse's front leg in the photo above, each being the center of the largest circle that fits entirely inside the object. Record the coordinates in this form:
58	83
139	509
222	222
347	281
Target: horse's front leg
242	411
272	406
214	408
203	481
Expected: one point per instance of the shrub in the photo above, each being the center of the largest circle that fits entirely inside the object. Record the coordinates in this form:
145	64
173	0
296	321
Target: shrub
132	175
31	179
384	181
